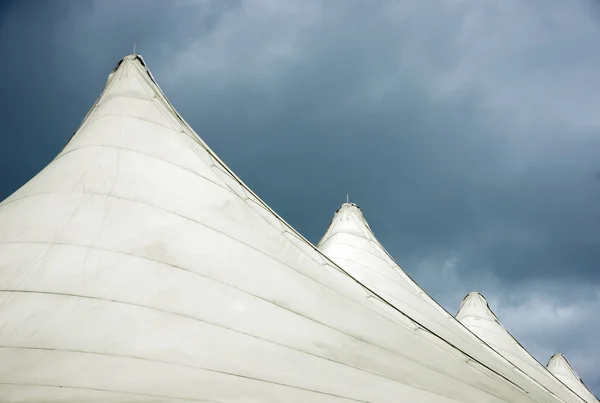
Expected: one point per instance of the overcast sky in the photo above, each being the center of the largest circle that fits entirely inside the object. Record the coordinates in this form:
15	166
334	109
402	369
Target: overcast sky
467	130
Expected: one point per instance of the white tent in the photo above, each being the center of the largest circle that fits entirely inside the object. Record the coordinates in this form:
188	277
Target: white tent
562	369
136	267
477	316
350	243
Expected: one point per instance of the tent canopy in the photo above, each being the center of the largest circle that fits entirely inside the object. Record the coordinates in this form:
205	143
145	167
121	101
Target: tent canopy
137	267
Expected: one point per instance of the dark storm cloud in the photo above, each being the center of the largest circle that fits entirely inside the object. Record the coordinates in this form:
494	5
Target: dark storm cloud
466	130
56	57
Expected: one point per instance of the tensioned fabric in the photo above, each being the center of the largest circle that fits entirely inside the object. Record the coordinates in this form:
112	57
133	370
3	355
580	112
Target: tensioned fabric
560	367
136	267
350	242
477	316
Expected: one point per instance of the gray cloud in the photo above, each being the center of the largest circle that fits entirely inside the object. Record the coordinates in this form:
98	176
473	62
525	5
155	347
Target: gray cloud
466	130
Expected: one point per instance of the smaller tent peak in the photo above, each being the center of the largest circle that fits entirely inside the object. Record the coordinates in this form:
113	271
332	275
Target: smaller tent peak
559	364
475	305
560	367
348	220
475	295
348	210
348	205
132	57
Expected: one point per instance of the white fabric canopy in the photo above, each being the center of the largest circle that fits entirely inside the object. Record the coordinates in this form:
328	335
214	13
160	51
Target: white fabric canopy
136	267
562	369
477	316
350	242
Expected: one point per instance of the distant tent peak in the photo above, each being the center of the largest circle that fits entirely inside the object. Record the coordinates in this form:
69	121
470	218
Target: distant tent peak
351	208
475	305
348	206
559	360
559	365
561	368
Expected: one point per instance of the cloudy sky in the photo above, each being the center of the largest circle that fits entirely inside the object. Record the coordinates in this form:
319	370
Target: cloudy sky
467	130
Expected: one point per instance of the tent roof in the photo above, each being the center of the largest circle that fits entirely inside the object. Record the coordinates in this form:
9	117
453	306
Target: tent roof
562	369
477	316
137	267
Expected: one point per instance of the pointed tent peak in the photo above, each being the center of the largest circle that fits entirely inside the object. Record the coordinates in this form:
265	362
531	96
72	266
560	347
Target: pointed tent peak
559	364
348	205
131	80
347	211
122	69
556	357
348	219
475	305
560	367
133	57
131	60
474	297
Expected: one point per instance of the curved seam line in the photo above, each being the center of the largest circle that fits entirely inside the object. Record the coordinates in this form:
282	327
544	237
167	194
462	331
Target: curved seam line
311	319
391	264
412	291
227	236
112	115
106	391
395	321
353	246
273	342
502	351
217	281
184	366
400	284
147	155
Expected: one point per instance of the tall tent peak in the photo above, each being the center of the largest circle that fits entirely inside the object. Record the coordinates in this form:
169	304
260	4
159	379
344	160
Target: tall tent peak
133	57
475	305
348	219
348	205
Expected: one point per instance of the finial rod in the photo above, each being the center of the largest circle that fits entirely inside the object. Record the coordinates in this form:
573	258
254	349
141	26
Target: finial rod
347	198
134	47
